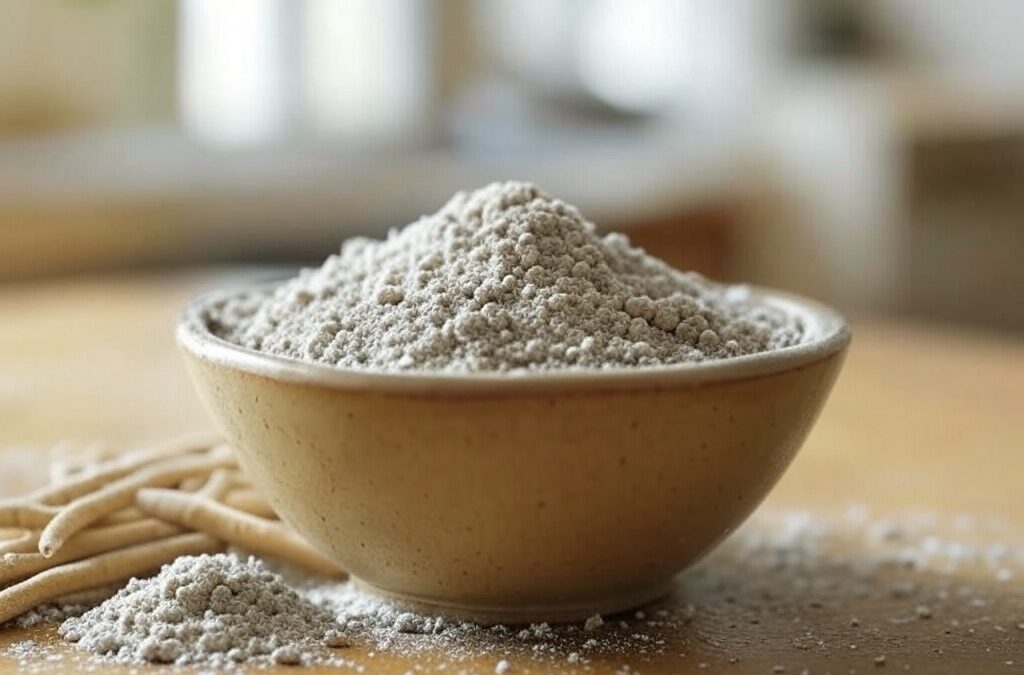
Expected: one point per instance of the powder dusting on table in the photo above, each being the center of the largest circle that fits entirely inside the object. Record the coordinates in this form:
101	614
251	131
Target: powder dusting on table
64	608
822	589
501	279
822	582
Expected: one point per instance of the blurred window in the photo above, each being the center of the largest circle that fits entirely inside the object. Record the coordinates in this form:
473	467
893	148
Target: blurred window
232	86
254	70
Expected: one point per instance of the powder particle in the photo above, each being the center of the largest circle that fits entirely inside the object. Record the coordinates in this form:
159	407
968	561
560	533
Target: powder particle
593	622
503	278
502	667
209	610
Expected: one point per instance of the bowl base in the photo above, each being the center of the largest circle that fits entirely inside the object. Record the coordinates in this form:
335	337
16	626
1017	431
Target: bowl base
488	615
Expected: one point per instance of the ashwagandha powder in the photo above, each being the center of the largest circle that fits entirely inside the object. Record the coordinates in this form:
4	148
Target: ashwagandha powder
851	586
207	610
63	608
504	278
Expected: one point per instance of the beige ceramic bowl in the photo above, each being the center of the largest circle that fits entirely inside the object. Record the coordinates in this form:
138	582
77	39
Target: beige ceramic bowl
517	497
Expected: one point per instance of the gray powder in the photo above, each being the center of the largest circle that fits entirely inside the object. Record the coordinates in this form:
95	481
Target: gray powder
62	608
209	610
819	587
504	278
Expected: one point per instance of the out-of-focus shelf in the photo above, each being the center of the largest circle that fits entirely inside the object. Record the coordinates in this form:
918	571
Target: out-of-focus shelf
92	201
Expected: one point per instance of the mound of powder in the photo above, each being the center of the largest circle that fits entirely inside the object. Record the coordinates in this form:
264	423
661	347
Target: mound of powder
503	278
207	610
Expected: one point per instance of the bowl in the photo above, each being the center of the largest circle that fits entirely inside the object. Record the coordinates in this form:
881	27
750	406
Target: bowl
517	497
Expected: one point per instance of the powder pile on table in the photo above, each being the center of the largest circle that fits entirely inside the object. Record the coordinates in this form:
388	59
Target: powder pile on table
208	610
505	278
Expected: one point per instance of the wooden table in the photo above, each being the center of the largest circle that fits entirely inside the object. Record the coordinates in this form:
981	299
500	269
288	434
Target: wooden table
921	420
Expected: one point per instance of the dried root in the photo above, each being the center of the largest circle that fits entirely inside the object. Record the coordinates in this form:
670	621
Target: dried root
104	519
87	509
90	542
101	570
234	527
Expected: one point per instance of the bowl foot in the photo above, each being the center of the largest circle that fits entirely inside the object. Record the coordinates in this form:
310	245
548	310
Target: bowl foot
568	612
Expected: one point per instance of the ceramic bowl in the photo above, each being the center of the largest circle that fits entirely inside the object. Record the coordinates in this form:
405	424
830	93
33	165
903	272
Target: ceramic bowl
524	497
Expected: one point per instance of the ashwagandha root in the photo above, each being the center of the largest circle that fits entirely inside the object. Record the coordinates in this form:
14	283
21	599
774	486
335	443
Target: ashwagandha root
250	501
103	520
234	527
219	482
113	469
26	514
85	510
101	570
14	566
25	542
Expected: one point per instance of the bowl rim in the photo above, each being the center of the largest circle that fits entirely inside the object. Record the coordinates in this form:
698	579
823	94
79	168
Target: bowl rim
825	333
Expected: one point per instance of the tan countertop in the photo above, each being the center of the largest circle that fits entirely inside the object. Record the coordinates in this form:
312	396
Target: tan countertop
922	421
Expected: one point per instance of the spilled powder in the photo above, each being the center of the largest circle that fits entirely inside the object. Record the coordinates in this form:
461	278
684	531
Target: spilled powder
63	608
885	591
821	589
501	279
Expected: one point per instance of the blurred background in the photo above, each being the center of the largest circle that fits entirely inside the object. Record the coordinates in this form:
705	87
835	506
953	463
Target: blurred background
869	153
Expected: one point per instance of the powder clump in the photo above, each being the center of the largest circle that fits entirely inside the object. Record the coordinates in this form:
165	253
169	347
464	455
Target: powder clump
505	278
209	610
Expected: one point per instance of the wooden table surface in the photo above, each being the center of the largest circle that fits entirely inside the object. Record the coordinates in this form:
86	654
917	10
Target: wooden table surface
922	421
